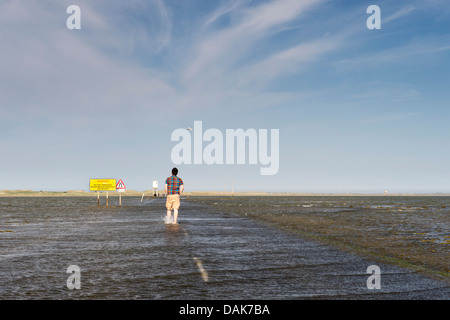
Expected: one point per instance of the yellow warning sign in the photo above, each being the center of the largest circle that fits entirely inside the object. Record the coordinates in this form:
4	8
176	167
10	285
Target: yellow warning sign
102	184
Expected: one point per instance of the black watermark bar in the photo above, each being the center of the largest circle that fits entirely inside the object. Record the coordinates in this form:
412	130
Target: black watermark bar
225	309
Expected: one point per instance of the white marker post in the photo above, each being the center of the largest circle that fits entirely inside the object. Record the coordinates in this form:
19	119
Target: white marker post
155	188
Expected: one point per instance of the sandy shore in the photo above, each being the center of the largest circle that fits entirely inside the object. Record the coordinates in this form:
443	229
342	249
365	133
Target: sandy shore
70	193
134	193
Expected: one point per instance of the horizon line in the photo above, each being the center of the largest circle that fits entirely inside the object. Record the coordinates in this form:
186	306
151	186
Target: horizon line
6	192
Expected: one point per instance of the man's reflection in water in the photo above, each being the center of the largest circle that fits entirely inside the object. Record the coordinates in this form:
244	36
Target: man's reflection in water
173	235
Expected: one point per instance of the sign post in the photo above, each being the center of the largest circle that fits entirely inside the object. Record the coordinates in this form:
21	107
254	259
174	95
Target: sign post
120	187
102	185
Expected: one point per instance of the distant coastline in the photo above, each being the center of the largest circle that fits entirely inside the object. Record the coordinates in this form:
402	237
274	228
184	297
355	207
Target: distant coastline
133	193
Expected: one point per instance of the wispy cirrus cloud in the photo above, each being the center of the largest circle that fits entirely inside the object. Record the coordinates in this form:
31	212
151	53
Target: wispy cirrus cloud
222	11
406	53
390	118
219	53
287	62
52	72
399	13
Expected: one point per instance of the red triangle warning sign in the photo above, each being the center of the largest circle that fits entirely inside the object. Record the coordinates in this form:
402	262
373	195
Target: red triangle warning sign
120	185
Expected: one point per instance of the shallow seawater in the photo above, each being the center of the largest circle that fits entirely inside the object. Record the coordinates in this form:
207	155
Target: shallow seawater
413	228
215	252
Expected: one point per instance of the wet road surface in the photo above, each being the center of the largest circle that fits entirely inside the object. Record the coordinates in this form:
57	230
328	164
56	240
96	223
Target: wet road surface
128	252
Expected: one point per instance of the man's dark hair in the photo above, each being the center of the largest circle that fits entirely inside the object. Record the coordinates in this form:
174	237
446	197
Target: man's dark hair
174	171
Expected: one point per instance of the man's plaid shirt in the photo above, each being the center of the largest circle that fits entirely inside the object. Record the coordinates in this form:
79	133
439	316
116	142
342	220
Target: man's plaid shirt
173	185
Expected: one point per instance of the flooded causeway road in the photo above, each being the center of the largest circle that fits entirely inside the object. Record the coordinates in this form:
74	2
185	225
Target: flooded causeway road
128	252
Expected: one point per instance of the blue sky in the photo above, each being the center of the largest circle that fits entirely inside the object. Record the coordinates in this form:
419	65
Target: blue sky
358	110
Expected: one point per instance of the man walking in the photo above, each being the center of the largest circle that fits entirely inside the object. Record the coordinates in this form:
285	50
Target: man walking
173	187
